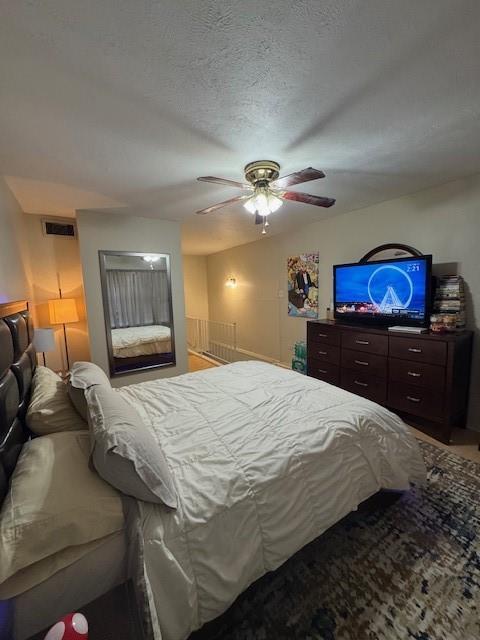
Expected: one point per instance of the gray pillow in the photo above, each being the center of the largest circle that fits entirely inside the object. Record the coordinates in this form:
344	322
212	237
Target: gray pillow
124	451
82	376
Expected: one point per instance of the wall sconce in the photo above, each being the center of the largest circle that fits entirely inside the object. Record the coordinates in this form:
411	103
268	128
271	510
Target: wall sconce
231	283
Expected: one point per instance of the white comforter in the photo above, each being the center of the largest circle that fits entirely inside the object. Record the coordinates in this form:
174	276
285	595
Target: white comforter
136	341
264	460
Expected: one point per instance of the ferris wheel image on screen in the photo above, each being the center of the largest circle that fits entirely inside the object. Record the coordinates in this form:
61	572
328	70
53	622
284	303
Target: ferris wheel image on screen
398	292
395	289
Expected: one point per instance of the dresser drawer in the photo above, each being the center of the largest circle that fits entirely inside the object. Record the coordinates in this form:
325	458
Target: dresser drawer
324	371
419	374
432	351
416	400
365	342
324	333
324	352
364	385
369	363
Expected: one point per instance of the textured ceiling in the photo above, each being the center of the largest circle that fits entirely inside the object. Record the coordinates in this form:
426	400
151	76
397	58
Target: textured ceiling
120	104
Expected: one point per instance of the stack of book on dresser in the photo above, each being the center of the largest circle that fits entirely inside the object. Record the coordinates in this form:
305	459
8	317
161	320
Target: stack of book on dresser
450	298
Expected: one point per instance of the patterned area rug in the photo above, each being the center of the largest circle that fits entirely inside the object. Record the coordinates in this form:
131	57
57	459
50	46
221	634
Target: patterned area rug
410	570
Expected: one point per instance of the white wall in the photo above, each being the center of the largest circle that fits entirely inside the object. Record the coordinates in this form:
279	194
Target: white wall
105	231
196	286
57	259
14	263
444	221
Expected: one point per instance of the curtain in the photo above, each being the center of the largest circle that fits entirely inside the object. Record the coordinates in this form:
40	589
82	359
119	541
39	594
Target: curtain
137	298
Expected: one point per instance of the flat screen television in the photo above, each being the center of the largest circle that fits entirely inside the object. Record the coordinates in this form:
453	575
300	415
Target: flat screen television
388	292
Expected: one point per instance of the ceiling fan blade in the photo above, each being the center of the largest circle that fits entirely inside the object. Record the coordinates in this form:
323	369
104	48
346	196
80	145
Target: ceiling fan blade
230	183
308	198
305	175
219	205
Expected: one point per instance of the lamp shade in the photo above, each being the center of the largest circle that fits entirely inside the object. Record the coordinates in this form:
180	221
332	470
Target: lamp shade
62	310
43	340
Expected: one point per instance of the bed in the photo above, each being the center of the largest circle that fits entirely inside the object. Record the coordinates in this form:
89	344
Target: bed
263	459
130	342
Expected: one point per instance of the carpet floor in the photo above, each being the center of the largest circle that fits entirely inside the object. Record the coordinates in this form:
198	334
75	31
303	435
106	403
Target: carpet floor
409	571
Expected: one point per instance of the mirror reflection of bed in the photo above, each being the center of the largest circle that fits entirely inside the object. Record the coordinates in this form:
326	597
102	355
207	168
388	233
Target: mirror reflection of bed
138	310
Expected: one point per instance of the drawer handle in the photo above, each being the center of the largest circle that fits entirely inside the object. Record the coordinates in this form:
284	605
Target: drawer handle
414	350
322	335
362	362
413	399
362	342
361	384
414	375
322	371
322	353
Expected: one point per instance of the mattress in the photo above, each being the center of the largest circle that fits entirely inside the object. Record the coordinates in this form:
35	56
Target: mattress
264	460
95	573
130	342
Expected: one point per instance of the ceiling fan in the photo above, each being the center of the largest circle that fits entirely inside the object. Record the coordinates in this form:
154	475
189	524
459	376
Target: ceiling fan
265	190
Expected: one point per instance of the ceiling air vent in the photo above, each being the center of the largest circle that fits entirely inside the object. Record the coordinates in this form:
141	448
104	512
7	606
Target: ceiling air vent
59	228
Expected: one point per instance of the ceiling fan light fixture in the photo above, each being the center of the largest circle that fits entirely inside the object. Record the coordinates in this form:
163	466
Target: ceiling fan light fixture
250	205
263	202
274	202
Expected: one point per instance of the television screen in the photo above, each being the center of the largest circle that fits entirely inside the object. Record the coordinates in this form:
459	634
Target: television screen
390	291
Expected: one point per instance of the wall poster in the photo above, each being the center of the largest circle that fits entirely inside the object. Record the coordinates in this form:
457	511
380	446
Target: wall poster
303	285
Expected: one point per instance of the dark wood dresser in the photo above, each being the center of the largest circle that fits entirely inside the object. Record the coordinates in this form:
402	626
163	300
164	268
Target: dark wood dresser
422	377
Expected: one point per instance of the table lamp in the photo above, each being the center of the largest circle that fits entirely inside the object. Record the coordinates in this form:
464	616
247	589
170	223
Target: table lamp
43	340
63	311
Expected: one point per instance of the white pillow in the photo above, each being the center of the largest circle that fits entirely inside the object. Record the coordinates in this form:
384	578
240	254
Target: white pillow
125	453
55	501
82	376
86	374
50	409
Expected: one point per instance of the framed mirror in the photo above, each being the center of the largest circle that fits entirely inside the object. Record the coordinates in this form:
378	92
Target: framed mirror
137	305
390	252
